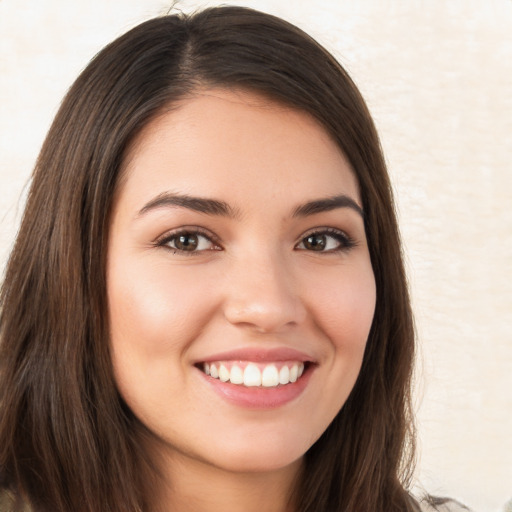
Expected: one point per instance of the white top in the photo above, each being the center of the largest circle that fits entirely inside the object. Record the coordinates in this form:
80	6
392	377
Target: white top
449	506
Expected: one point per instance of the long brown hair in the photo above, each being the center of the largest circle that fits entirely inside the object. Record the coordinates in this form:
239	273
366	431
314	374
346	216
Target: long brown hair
67	441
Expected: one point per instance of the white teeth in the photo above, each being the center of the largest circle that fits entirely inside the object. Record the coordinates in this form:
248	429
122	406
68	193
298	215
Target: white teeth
223	373
284	375
252	376
237	375
294	372
213	371
270	377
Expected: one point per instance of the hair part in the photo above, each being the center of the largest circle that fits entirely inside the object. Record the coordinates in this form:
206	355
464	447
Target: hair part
67	440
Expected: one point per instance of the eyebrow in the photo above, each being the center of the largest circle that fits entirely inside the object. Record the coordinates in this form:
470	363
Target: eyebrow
198	204
325	205
223	209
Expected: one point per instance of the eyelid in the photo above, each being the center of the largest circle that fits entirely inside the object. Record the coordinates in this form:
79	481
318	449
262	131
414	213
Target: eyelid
345	240
163	239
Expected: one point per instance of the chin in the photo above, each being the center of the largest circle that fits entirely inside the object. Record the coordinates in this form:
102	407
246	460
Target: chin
258	453
260	461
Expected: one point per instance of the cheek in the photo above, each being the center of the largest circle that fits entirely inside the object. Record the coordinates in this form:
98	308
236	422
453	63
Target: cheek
155	315
345	307
153	309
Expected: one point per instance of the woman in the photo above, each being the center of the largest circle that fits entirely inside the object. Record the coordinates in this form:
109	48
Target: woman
206	306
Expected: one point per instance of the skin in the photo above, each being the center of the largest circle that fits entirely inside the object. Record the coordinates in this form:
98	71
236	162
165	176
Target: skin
252	282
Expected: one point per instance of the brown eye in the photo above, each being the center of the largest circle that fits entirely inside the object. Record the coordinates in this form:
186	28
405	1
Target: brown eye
315	242
186	242
326	241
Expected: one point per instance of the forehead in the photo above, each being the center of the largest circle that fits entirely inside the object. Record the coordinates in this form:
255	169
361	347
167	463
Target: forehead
237	144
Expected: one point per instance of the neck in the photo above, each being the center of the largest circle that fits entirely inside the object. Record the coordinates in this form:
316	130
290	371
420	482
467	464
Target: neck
195	486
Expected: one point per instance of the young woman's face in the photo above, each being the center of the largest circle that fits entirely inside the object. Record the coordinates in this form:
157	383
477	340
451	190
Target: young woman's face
240	287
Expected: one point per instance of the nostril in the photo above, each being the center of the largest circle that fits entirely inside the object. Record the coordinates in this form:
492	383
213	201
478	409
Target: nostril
264	315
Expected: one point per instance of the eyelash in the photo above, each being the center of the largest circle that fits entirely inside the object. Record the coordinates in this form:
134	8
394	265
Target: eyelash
192	231
344	241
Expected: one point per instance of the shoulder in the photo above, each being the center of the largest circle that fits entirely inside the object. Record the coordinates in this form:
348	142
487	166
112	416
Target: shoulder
442	505
8	503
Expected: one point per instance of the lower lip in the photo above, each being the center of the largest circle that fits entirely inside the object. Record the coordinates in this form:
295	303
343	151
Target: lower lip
259	397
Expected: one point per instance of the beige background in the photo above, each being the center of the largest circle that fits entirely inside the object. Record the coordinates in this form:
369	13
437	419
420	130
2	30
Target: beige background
437	75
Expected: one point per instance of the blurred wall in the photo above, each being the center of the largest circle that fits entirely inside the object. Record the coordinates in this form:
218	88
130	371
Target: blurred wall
437	76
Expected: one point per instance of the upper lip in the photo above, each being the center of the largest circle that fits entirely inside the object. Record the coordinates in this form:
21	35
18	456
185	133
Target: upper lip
256	354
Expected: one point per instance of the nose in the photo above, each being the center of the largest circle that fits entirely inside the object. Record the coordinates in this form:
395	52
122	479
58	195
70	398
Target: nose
262	295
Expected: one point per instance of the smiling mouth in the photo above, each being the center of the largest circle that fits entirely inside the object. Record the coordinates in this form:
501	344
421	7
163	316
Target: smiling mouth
251	374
